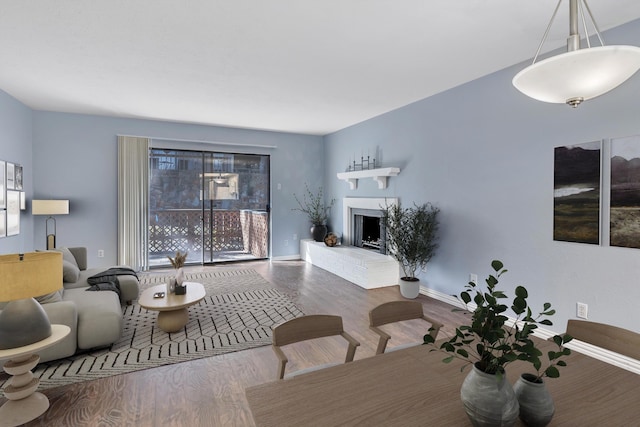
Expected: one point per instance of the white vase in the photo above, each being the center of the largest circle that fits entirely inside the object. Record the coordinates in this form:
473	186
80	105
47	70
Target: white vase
179	276
409	288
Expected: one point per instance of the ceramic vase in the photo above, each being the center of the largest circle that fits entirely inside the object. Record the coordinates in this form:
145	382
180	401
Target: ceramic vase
409	287
318	231
489	400
536	404
179	276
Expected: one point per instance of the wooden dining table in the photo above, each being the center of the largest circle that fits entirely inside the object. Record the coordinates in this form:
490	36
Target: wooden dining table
413	387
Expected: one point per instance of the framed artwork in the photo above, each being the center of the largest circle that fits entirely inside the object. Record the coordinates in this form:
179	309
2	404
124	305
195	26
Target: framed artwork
3	184
18	177
624	206
13	212
576	193
11	176
3	223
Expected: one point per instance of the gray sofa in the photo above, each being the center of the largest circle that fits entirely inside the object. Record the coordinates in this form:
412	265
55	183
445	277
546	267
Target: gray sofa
95	317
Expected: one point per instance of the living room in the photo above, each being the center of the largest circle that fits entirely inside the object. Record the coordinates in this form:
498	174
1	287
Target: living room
482	152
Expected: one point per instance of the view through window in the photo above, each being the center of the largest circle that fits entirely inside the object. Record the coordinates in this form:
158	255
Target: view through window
213	205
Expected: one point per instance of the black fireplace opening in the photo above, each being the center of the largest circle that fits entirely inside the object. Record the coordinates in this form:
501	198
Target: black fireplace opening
368	230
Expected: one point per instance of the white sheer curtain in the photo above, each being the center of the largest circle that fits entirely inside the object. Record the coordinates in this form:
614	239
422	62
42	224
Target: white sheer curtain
133	197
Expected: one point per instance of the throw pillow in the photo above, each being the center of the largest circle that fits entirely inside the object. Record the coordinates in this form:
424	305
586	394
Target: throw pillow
52	297
67	255
70	272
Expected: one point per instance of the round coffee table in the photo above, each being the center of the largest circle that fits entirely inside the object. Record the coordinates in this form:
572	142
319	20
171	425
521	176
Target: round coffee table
172	309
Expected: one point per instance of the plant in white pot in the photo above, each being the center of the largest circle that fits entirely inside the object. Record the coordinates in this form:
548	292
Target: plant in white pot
411	240
490	342
314	206
177	262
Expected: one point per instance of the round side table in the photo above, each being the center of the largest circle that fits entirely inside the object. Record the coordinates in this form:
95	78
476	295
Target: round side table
24	402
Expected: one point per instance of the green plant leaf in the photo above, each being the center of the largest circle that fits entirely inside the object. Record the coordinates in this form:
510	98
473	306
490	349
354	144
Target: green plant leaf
521	292
552	372
497	265
448	359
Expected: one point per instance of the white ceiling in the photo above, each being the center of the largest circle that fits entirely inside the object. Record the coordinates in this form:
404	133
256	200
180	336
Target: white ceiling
307	66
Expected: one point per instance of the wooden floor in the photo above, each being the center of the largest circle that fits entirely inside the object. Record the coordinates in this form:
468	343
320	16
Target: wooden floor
210	392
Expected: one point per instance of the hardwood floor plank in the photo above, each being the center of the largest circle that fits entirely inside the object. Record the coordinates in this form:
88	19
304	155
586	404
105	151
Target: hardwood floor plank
210	391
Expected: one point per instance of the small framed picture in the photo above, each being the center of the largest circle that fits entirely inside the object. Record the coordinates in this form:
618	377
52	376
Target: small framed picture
18	177
23	201
3	184
11	176
3	223
13	213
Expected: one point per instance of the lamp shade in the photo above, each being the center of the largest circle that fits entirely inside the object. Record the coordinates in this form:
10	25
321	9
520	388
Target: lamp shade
49	207
578	75
29	275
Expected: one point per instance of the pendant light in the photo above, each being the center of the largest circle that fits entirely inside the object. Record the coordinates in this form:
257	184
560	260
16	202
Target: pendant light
580	73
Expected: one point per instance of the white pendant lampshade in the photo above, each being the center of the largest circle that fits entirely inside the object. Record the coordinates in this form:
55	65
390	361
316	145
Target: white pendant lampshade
580	74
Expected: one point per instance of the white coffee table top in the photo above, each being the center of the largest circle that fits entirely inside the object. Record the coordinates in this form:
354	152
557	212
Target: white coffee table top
195	293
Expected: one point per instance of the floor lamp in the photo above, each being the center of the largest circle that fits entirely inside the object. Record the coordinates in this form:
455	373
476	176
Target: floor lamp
25	329
50	207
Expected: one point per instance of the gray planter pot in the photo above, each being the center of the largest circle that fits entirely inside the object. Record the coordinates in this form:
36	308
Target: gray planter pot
536	404
489	401
409	287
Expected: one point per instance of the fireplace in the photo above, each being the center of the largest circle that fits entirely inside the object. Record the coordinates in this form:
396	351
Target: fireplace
368	229
362	222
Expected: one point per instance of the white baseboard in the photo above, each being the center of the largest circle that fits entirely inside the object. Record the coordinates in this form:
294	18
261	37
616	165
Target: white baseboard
286	258
596	352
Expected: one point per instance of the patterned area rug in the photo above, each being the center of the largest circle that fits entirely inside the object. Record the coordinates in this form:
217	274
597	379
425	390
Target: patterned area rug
237	314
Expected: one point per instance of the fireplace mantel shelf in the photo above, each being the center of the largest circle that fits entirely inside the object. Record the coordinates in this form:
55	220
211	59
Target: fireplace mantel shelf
379	175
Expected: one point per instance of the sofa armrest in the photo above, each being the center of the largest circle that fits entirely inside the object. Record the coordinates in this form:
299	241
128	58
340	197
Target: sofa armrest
61	313
80	254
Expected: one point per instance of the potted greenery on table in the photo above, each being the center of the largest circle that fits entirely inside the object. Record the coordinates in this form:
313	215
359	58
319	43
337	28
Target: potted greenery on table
411	240
317	210
490	342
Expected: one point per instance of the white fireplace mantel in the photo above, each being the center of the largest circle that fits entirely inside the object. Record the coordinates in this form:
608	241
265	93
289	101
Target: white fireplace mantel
379	175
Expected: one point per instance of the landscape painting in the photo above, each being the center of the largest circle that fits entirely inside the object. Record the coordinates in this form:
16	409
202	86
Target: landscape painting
576	193
625	193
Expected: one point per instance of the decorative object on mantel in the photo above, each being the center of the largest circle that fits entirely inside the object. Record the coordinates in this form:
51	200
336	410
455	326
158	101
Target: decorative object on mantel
331	239
379	175
365	164
314	206
177	262
411	239
489	344
578	74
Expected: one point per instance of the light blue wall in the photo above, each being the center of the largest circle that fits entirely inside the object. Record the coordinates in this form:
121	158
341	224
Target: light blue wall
76	158
483	153
15	147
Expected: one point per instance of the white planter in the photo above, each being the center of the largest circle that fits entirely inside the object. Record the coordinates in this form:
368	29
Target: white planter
409	288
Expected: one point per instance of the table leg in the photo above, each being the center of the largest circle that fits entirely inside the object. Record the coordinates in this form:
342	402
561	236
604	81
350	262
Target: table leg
174	320
24	403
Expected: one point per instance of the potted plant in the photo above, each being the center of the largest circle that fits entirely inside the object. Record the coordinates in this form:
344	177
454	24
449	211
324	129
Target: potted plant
314	206
412	241
177	262
490	342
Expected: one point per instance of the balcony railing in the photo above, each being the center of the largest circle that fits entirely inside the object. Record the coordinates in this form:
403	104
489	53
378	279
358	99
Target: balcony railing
192	230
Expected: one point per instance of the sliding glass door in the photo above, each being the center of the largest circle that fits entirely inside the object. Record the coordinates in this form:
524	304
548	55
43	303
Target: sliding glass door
213	205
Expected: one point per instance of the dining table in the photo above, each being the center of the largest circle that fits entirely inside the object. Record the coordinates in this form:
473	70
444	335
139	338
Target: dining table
414	387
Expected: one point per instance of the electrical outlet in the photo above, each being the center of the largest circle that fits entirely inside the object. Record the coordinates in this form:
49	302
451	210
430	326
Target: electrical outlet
286	243
295	236
582	310
100	253
473	278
